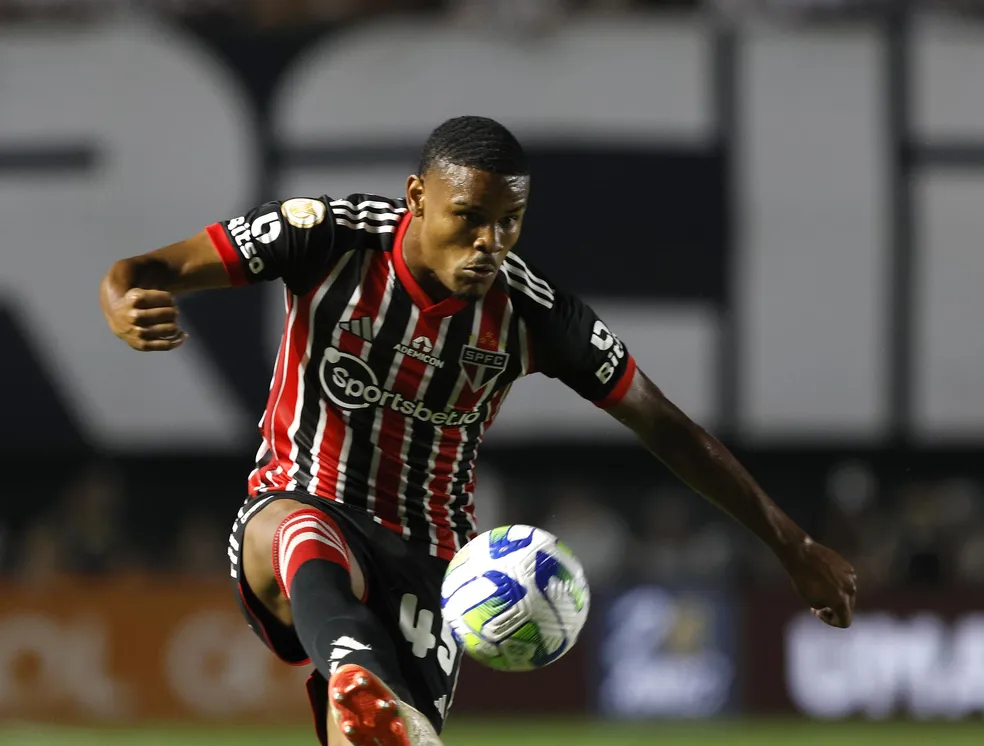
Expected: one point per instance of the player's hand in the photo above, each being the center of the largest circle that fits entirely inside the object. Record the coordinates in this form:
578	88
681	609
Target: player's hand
826	581
147	320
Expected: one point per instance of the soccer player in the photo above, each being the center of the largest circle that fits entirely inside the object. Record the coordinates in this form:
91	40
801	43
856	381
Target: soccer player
407	321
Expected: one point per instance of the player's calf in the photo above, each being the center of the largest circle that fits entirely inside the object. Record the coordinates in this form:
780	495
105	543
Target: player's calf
311	580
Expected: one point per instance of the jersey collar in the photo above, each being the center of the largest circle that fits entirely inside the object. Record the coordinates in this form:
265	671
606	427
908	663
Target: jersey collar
446	307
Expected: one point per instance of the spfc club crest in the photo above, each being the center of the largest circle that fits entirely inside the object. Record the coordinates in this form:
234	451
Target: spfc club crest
481	367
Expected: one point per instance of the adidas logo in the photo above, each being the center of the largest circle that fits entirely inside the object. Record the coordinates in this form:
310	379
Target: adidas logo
441	705
360	327
342	647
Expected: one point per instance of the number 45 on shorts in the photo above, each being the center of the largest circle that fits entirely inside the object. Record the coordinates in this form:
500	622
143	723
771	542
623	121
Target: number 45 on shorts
418	628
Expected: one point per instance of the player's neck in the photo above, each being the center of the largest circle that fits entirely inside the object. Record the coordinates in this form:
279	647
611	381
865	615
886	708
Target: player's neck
413	257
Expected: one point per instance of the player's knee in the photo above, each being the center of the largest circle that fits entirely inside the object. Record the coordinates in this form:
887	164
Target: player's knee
281	537
303	536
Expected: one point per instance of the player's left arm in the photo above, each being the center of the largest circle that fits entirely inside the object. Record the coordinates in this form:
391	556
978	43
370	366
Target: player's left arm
825	580
578	348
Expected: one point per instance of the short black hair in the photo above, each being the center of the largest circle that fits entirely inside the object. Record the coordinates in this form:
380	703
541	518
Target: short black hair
475	142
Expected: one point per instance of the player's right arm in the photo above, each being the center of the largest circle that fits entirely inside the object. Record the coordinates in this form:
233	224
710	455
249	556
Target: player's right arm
138	294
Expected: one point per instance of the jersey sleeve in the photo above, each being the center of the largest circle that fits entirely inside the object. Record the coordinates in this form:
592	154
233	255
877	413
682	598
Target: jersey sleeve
293	240
570	342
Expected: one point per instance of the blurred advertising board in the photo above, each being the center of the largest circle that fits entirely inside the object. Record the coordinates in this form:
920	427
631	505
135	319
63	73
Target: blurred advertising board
166	650
913	655
666	653
162	650
132	651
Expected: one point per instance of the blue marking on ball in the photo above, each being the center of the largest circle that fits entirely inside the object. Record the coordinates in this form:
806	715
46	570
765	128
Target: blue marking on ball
500	544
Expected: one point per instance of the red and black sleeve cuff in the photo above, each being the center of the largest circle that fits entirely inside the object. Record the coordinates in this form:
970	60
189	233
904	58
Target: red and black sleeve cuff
227	252
621	388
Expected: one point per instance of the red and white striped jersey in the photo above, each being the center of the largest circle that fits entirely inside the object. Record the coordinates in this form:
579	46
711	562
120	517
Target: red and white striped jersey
380	397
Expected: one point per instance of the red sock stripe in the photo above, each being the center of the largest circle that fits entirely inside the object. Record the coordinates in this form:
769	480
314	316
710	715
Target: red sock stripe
302	536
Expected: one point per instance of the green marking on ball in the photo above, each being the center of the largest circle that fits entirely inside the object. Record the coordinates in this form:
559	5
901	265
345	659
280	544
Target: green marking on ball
498	534
460	558
501	663
575	589
483	613
529	632
565	549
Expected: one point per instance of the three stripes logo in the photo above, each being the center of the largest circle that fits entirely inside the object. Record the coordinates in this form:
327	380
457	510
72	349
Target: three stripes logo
247	510
360	327
371	215
519	277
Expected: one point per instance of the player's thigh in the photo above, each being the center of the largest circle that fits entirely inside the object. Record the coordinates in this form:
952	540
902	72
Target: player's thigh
411	608
257	557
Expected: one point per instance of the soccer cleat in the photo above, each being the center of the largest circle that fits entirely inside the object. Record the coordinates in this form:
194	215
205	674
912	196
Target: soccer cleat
369	714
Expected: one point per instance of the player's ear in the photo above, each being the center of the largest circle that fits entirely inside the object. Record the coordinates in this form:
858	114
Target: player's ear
415	195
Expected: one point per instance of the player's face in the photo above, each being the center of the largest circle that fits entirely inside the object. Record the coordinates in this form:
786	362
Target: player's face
470	220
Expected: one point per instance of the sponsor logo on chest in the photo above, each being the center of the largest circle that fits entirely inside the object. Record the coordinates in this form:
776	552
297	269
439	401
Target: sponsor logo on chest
420	349
351	384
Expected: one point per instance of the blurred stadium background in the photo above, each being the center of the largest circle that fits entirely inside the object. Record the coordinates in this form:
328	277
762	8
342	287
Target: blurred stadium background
778	204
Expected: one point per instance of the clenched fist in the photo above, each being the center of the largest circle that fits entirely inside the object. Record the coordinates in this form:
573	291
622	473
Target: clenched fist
147	320
826	581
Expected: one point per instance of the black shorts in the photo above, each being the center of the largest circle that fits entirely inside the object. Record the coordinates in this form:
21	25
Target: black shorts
403	590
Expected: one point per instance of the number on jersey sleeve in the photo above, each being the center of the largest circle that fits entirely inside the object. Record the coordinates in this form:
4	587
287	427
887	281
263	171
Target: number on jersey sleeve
298	240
